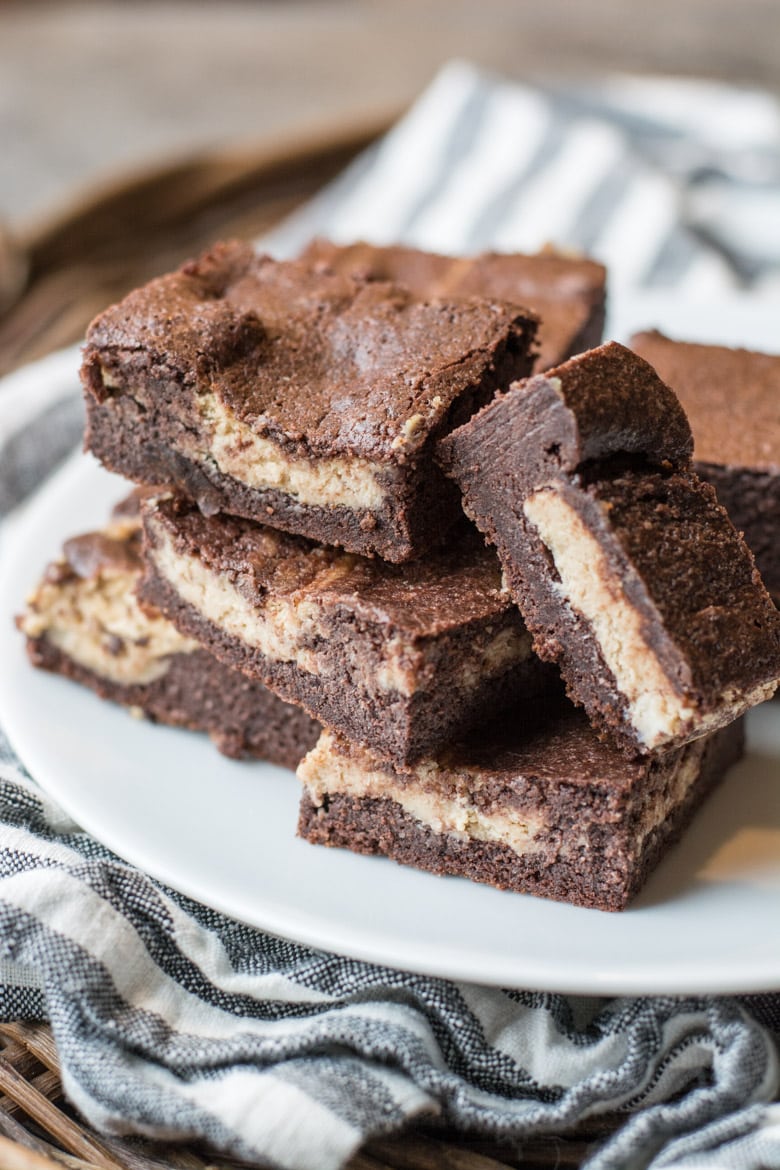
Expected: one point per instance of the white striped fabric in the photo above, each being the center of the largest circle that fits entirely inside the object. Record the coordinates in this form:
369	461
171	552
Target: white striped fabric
636	173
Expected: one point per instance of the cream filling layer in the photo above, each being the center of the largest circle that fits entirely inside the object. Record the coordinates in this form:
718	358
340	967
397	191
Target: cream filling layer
282	627
506	648
278	629
326	772
656	710
97	622
259	463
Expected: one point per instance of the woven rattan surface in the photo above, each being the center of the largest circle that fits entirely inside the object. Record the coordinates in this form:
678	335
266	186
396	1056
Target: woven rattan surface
53	279
40	1131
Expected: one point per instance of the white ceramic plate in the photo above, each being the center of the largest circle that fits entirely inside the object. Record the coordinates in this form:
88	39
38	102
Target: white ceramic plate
223	832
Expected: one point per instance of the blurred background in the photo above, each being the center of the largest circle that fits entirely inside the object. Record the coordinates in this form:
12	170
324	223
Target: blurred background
132	131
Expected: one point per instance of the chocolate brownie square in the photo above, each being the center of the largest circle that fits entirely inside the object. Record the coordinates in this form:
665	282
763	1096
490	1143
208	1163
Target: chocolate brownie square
545	809
628	572
84	621
732	399
304	399
396	657
567	293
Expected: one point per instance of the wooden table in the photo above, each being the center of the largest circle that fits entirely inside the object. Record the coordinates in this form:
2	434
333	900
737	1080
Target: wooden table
91	87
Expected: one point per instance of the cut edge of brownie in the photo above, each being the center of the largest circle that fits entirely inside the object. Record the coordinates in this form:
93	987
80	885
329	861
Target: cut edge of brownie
83	621
722	389
197	693
334	658
677	670
582	444
752	500
146	418
602	874
417	515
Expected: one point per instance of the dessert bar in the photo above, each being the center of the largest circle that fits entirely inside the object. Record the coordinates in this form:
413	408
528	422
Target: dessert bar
396	657
731	398
628	572
83	621
301	398
548	809
568	293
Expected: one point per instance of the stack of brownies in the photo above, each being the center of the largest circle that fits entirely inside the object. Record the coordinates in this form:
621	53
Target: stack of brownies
309	435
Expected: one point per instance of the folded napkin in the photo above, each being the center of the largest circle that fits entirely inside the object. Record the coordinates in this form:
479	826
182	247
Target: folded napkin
172	1020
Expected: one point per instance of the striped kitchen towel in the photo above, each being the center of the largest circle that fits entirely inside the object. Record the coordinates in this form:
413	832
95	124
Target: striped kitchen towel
174	1021
671	184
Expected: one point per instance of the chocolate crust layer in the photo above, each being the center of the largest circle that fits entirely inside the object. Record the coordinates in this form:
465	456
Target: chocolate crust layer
603	875
249	384
567	293
242	718
664	557
731	397
396	658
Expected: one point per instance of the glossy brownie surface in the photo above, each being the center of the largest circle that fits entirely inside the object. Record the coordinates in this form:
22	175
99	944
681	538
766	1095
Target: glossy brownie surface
299	397
317	361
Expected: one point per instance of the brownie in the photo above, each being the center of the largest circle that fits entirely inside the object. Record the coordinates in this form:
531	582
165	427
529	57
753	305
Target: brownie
731	399
83	621
296	396
543	808
628	572
395	657
567	292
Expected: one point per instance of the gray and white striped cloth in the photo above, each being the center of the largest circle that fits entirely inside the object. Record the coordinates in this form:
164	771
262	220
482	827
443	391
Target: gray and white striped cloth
172	1020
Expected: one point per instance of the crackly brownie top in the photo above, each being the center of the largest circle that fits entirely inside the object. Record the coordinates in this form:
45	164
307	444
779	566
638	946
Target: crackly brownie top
426	597
614	402
548	275
536	748
562	290
312	356
731	397
605	402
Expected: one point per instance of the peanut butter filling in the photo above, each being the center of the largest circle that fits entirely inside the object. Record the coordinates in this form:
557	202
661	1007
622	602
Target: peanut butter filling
97	622
286	628
443	805
262	464
325	771
656	709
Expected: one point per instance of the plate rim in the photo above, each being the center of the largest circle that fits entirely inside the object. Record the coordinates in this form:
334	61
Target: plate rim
751	976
